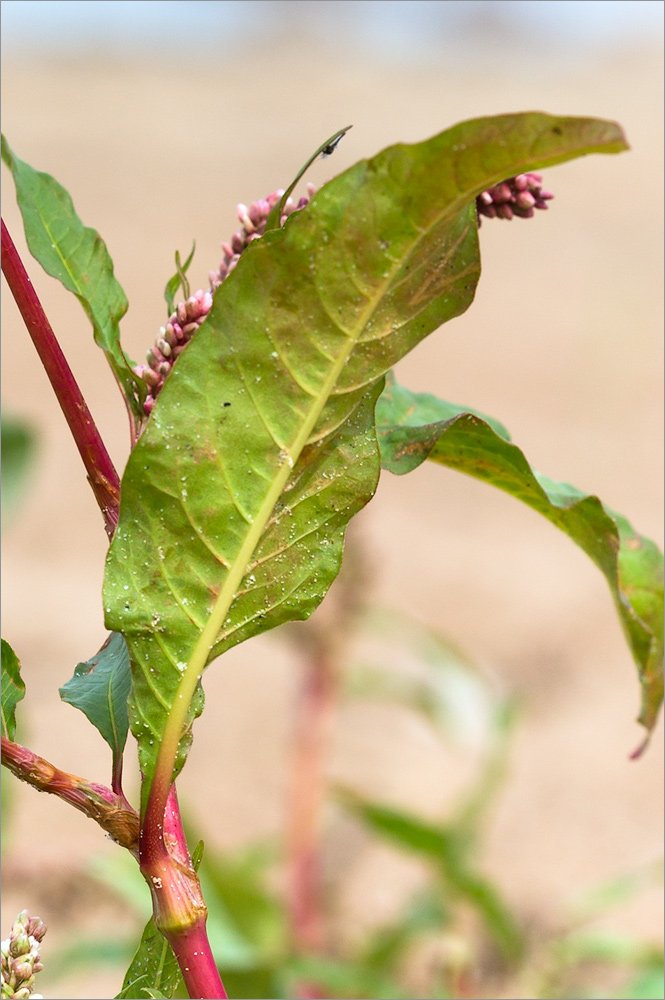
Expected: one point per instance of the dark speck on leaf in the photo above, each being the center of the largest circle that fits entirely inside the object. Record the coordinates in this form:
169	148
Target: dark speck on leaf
557	130
226	404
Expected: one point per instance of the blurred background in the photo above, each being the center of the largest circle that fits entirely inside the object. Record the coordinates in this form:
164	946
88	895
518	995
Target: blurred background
158	119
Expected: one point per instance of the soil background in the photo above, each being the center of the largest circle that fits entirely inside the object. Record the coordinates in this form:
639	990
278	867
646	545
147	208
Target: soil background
563	345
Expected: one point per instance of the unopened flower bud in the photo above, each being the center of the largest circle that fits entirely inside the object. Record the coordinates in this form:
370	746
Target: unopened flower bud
525	200
169	335
516	196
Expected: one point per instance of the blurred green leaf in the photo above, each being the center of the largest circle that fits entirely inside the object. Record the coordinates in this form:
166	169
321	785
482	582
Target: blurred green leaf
78	257
632	564
236	892
13	689
17	456
345	980
423	671
447	848
100	688
648	985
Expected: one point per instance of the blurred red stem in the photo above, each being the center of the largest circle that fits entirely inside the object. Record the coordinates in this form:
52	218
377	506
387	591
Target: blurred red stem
318	703
102	475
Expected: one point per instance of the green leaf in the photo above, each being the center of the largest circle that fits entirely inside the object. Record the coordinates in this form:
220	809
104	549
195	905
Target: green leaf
13	689
179	279
632	564
325	149
648	985
18	449
100	688
77	256
447	850
238	897
262	444
154	970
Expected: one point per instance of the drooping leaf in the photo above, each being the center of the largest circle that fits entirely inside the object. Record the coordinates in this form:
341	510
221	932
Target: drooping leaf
262	445
100	688
632	564
13	689
78	257
447	849
179	280
154	970
18	449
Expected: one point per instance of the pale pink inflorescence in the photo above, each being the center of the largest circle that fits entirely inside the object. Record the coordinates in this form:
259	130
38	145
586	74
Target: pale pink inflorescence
188	316
21	958
515	196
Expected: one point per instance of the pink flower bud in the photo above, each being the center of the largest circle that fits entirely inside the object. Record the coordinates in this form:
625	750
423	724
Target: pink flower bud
525	200
237	243
150	377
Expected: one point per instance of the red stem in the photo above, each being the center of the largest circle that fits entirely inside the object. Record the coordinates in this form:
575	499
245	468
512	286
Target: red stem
318	702
179	910
102	475
98	802
178	907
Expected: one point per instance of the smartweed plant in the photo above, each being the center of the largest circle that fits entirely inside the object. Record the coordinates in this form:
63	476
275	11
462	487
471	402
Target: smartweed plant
259	426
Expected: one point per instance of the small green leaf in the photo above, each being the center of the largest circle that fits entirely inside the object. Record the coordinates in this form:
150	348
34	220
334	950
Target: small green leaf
77	256
325	149
632	564
154	970
13	689
179	279
18	449
100	688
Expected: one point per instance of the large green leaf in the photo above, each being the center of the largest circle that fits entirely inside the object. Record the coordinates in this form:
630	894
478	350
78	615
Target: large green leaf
262	442
100	688
77	256
13	689
409	433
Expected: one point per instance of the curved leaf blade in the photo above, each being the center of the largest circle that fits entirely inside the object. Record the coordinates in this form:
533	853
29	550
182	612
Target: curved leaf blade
631	564
100	688
78	257
262	443
13	689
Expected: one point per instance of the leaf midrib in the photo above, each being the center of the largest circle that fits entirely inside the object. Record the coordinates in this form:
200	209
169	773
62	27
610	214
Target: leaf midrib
197	662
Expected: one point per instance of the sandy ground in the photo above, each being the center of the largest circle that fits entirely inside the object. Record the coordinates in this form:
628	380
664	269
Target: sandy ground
562	344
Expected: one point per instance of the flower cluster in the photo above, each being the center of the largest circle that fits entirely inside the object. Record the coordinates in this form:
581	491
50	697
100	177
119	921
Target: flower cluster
20	957
188	316
515	196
